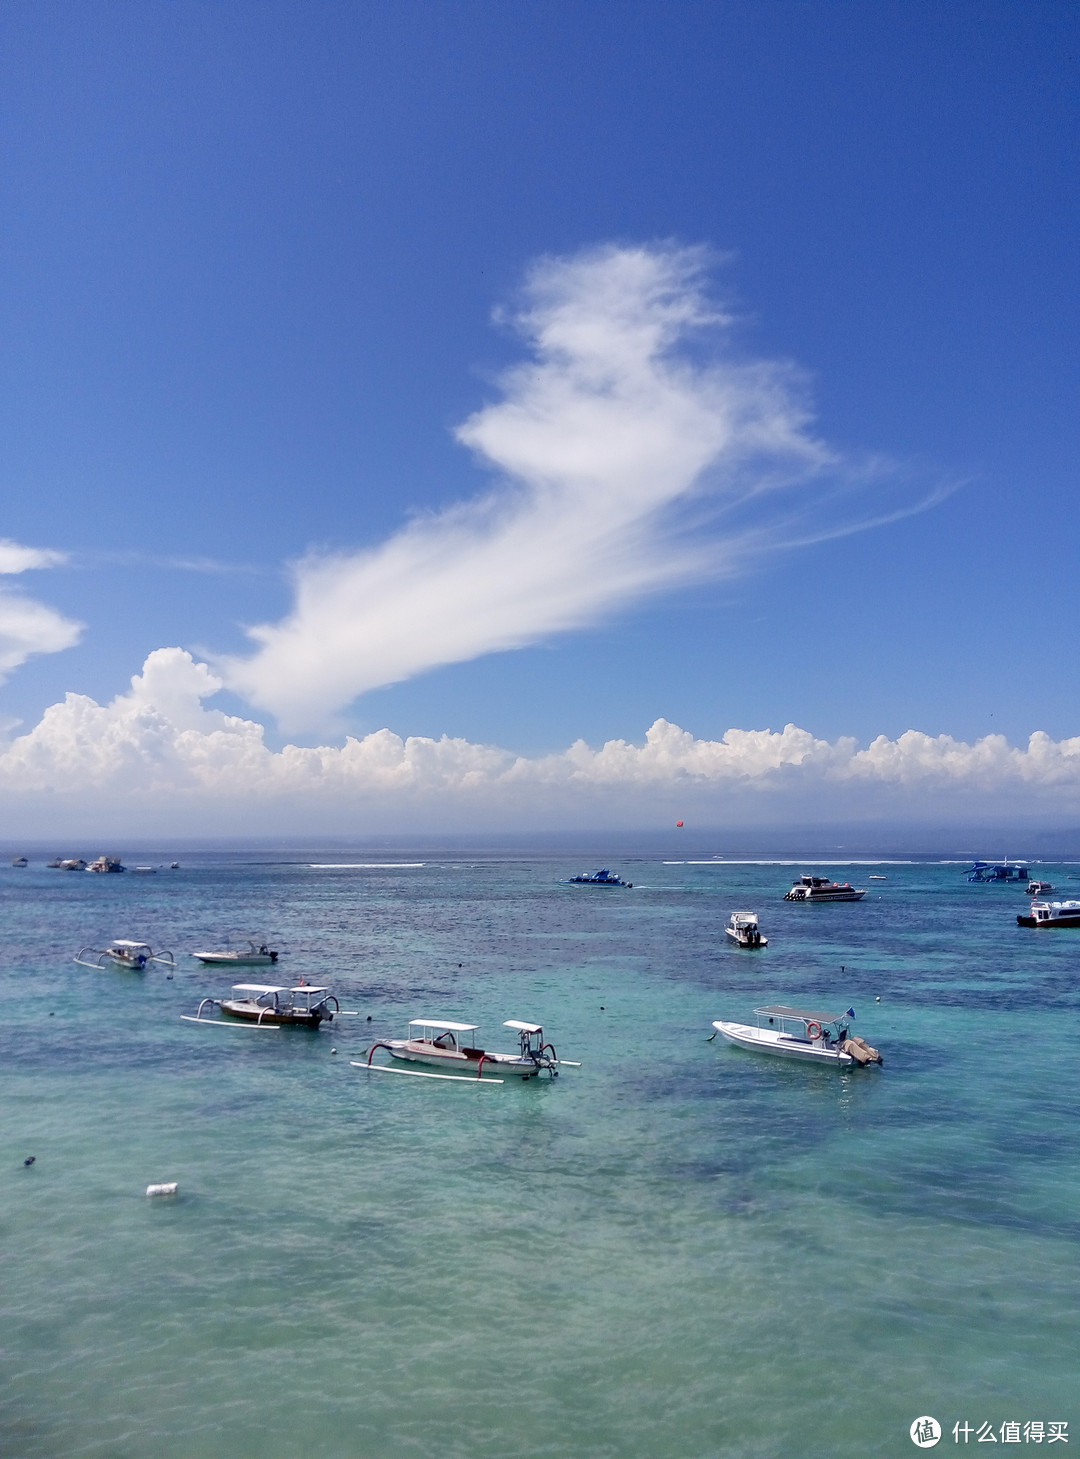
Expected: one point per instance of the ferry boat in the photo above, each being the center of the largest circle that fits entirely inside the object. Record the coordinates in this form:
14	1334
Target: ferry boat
821	889
601	878
799	1033
743	928
442	1044
1051	914
270	1006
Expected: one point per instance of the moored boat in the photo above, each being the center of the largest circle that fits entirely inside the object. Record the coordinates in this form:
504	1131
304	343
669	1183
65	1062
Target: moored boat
821	889
443	1044
743	929
1039	888
122	952
800	1033
602	878
19	861
1051	914
265	1005
255	954
997	871
107	863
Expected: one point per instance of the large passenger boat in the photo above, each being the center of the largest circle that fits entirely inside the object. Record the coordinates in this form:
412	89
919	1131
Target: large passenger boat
821	889
1051	914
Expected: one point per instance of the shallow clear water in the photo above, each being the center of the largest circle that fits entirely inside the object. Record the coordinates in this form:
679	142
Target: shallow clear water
679	1249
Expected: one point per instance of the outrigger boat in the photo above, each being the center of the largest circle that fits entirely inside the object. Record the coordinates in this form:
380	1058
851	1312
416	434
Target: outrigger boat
1051	914
743	928
797	1033
123	953
257	1005
602	878
256	954
821	889
445	1045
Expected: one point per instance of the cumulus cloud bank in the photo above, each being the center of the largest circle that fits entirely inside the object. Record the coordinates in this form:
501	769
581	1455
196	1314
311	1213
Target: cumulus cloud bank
614	445
28	627
158	745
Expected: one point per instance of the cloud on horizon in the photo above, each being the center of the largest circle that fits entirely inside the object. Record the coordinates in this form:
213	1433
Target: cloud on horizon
627	463
28	627
158	748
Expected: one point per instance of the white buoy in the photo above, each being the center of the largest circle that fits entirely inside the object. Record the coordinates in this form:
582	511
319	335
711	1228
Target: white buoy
168	1189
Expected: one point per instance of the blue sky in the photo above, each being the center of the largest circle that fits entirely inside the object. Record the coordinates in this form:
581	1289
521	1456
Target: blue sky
262	262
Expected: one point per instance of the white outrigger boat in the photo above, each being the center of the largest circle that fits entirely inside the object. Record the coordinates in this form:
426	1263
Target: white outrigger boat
123	953
798	1033
258	1005
743	928
256	954
445	1045
821	889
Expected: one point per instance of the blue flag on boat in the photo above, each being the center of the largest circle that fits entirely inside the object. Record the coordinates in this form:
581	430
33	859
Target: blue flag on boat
850	1013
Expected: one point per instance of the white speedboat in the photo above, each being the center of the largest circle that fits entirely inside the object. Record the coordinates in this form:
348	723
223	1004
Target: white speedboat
1039	889
1051	914
107	863
255	954
799	1033
442	1044
821	889
743	928
263	1005
123	953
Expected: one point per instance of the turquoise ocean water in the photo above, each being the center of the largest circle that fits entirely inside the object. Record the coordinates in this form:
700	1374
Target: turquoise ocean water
677	1250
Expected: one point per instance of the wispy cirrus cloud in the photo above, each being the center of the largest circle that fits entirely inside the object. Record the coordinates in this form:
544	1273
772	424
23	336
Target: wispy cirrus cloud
634	452
28	627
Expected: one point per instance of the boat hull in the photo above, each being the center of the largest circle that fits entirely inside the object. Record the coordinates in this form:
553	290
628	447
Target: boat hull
1071	921
236	959
744	940
782	1046
839	896
252	1013
457	1062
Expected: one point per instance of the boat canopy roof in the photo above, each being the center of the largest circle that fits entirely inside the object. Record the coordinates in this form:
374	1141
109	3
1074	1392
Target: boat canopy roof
127	942
780	1010
444	1023
257	988
306	989
523	1027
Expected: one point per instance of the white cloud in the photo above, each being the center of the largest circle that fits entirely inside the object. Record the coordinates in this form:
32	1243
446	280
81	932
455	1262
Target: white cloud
158	749
28	627
614	445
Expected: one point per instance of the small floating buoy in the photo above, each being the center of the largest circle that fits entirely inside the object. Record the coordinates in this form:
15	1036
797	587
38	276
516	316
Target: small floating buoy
601	1008
333	1051
369	1018
877	1000
52	1013
30	1160
168	977
168	1189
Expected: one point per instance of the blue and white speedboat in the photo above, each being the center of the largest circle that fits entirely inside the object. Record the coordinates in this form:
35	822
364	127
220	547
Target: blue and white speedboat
602	878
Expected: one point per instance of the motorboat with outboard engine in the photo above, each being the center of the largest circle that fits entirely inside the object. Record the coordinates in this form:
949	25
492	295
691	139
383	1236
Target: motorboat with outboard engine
443	1044
1051	914
123	953
255	954
1039	888
260	1005
107	863
799	1033
743	928
602	878
821	889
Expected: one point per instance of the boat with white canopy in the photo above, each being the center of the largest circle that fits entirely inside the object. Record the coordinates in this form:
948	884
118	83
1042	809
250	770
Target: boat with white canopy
743	929
801	1033
443	1044
122	952
263	1005
821	889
